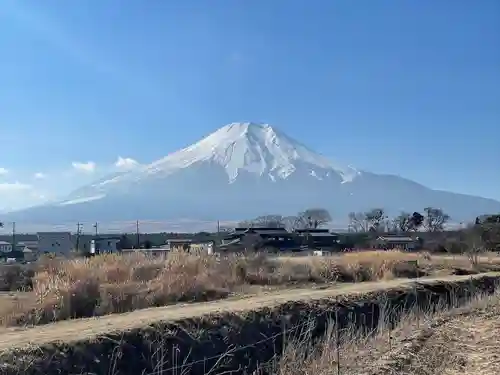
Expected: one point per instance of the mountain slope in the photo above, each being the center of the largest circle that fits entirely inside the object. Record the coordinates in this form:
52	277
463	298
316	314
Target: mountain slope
243	170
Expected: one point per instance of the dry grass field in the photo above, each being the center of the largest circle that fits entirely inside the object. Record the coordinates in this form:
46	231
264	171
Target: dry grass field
437	341
107	284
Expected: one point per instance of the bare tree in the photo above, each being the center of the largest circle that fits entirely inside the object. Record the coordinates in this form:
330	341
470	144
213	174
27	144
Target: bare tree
293	222
435	219
402	222
470	243
416	221
375	219
314	217
245	224
488	228
357	222
406	222
269	221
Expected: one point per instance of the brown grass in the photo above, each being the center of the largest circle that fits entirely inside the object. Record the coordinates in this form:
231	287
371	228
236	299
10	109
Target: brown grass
68	289
440	340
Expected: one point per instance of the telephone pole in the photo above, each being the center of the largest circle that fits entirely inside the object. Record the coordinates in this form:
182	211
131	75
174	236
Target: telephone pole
79	227
218	240
137	234
14	235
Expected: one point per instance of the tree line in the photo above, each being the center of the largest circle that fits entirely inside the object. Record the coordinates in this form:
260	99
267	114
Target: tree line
374	220
483	234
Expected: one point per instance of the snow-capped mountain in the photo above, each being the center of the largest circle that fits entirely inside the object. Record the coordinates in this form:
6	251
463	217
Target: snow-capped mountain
243	170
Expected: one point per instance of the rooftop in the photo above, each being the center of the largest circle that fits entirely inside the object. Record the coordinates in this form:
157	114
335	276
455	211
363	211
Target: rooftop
312	230
106	238
395	238
4	243
322	234
262	230
179	240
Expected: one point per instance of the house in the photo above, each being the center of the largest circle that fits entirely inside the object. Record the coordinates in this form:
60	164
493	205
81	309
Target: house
29	254
5	247
318	238
189	245
104	244
55	242
178	244
154	251
389	242
259	238
202	247
32	245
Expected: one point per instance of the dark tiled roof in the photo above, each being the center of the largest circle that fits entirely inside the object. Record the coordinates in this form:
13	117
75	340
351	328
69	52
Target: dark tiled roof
312	230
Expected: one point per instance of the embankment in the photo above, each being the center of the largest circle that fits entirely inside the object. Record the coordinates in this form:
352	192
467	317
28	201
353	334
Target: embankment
231	336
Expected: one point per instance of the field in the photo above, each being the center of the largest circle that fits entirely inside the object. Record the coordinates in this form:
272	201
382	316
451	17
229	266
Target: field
100	305
69	289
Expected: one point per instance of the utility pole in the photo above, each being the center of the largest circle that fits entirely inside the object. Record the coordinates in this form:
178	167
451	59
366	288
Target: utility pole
78	233
218	234
14	235
137	234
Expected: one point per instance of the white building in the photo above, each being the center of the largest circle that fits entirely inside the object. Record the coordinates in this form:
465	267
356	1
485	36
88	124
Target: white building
55	242
5	247
102	245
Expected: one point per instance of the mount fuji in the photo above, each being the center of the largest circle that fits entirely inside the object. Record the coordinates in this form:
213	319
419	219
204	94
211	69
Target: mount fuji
244	170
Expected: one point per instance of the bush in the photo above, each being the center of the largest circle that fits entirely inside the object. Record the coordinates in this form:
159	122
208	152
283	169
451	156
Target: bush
16	277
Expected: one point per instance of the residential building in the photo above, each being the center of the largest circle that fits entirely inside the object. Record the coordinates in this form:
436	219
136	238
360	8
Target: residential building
178	244
5	247
154	251
104	244
55	242
259	238
389	242
29	254
32	245
318	238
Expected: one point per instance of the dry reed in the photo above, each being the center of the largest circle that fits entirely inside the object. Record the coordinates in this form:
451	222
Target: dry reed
106	284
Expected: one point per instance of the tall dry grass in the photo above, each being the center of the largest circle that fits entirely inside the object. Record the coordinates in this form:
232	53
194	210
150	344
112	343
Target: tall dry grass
106	284
405	349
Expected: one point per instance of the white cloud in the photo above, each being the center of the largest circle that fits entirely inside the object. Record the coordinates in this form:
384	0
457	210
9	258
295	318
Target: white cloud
40	175
88	167
7	187
3	171
17	195
126	163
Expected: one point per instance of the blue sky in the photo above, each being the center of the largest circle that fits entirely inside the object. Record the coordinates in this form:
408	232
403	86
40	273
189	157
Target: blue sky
403	87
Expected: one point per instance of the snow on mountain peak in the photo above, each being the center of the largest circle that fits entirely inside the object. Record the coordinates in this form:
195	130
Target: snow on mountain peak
250	147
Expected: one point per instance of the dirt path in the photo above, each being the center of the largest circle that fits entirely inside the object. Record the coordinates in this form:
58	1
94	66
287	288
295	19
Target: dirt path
81	329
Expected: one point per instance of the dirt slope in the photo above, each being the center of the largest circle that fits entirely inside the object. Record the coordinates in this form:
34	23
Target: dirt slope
82	329
465	344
